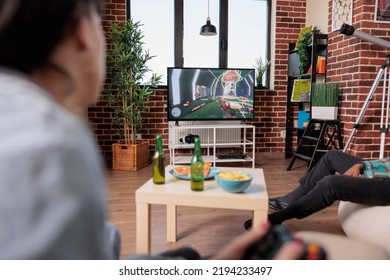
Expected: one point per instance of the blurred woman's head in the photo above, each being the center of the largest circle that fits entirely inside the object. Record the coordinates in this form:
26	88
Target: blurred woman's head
53	38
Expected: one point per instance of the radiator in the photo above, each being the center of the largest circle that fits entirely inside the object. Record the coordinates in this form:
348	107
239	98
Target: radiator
206	135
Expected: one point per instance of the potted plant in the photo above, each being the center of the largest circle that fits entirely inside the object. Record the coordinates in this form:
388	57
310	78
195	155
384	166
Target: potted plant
304	40
127	93
261	67
324	101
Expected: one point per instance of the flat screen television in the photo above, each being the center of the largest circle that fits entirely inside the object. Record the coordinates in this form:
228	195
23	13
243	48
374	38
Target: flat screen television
210	94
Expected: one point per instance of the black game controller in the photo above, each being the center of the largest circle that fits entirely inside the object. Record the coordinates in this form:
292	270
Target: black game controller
270	244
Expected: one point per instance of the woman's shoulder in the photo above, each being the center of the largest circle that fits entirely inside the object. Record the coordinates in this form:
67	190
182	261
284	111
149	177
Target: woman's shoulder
29	112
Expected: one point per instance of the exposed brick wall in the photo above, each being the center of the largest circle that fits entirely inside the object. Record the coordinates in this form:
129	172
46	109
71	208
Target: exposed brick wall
354	64
269	121
290	18
156	121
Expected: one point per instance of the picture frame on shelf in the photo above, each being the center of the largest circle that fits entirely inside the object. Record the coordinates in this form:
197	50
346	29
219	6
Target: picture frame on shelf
301	90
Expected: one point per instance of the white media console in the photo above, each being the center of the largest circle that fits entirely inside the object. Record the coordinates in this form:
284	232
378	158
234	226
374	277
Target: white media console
232	135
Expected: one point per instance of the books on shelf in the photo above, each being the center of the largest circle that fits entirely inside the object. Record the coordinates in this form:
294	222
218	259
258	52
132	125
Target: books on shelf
303	118
320	66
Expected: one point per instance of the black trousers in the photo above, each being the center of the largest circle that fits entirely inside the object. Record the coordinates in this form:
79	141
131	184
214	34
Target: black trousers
320	188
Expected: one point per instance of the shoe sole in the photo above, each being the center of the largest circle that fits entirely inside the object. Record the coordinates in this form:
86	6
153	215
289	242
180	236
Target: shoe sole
276	208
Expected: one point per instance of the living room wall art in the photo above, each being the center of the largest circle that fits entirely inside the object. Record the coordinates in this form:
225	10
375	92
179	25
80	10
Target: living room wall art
341	13
382	11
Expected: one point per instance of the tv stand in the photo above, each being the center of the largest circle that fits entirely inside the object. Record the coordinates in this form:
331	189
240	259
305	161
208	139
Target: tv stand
238	136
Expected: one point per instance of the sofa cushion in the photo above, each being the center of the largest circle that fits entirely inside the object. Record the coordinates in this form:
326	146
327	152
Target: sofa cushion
369	224
340	247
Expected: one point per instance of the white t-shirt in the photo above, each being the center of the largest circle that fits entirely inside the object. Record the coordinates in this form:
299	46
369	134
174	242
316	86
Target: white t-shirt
52	185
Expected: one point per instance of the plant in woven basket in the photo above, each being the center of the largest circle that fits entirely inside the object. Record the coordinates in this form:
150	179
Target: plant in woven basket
127	65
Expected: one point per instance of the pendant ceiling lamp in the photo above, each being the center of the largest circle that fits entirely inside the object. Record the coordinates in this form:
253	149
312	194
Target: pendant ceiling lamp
208	29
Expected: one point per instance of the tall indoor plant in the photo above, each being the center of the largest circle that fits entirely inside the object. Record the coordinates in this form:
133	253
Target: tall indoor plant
127	93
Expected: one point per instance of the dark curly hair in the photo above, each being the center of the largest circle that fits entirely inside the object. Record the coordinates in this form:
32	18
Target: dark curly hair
31	29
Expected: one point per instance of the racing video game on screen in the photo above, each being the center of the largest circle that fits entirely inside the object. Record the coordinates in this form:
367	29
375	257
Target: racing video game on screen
210	94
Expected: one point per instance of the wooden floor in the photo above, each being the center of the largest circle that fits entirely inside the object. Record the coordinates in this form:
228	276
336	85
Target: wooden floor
207	229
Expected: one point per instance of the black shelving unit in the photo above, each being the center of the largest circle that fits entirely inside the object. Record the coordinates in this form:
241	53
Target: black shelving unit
319	47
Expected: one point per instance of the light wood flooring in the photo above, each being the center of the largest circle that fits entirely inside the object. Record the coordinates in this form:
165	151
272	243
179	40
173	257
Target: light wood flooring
205	229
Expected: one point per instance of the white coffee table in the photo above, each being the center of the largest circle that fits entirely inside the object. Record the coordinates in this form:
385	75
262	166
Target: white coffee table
177	192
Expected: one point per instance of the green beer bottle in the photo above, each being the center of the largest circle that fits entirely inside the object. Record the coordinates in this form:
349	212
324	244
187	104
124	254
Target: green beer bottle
158	163
197	168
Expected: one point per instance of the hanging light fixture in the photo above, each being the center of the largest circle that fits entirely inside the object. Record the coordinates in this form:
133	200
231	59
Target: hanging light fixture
208	29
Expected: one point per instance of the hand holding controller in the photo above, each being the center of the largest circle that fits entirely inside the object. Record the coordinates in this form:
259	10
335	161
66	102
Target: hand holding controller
271	243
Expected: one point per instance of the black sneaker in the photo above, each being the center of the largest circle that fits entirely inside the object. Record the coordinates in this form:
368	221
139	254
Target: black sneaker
276	204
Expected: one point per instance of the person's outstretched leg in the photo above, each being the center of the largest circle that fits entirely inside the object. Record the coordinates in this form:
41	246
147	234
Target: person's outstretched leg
366	191
329	164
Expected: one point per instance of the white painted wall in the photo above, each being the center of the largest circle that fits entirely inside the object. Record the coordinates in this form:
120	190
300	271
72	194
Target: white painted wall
317	14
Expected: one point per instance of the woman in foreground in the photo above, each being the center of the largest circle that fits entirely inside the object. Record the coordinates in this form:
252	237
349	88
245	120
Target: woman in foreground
52	184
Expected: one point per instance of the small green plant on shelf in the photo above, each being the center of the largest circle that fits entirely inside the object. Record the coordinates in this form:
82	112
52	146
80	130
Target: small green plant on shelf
261	67
325	95
304	40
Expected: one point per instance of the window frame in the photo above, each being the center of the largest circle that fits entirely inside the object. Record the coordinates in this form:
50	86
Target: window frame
222	33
